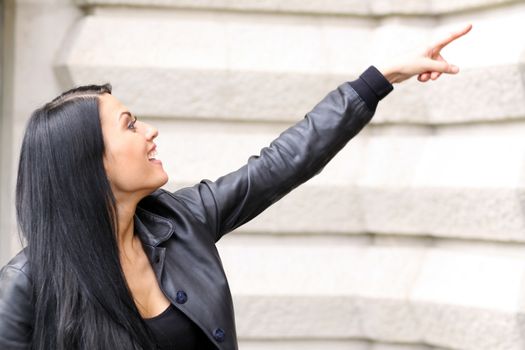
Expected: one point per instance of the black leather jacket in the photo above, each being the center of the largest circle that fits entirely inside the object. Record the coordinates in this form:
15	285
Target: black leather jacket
179	230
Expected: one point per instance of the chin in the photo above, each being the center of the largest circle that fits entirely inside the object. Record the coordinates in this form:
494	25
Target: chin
156	181
164	180
152	186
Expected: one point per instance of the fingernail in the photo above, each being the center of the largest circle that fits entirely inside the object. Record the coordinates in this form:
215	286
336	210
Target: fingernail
454	69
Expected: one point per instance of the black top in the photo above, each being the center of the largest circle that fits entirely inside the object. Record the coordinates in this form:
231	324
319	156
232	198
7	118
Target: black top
173	330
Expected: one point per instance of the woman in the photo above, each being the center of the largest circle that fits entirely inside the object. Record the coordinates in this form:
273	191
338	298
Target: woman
114	262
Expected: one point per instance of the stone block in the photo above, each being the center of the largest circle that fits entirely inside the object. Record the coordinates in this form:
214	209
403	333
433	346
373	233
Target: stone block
448	184
395	295
180	65
471	297
337	7
305	345
292	344
222	81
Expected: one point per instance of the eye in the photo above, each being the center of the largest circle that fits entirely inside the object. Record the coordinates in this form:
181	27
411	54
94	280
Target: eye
131	124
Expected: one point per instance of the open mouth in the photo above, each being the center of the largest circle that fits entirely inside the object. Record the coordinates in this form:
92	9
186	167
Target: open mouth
152	155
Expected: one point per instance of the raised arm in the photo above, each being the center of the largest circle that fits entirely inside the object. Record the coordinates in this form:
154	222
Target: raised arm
295	156
304	149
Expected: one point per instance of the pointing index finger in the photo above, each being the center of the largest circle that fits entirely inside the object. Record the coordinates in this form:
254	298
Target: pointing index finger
442	43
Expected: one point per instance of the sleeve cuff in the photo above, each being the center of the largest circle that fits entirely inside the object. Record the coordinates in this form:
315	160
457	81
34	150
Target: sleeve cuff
372	87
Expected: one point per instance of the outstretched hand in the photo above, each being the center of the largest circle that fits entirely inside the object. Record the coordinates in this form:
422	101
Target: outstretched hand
428	65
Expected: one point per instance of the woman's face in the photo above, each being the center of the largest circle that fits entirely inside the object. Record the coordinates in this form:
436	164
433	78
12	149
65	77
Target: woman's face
129	157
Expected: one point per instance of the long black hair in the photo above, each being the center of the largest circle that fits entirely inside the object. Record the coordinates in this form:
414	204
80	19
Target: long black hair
66	211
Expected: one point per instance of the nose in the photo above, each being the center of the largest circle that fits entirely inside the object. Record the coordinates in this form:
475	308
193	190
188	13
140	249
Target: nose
151	132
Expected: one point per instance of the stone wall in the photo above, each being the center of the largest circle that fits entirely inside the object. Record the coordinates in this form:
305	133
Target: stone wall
412	238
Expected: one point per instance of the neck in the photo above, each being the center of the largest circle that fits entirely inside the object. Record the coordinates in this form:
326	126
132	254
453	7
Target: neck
126	240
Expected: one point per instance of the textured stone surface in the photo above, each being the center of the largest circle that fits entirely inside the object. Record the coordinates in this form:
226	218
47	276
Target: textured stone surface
413	295
213	64
306	345
346	7
411	239
444	185
328	345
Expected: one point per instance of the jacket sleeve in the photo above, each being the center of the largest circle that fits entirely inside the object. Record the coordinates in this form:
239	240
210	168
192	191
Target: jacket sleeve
295	156
16	309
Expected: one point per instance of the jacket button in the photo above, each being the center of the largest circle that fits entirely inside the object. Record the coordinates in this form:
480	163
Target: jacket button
156	259
219	335
182	297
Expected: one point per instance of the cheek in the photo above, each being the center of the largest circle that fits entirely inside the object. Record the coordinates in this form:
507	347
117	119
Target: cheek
129	170
122	164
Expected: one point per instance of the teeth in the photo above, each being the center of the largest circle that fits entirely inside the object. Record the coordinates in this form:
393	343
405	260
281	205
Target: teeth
152	154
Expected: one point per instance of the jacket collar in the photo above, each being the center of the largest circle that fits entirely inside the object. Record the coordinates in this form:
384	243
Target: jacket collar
151	228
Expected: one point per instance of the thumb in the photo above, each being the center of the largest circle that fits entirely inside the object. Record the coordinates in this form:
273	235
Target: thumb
440	66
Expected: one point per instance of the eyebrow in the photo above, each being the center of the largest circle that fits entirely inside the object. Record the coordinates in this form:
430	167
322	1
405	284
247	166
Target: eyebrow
125	112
